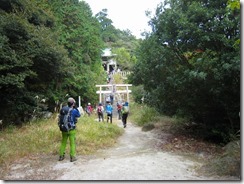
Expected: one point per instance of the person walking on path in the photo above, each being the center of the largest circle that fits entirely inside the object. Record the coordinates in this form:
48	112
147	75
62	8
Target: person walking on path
71	133
89	109
125	112
119	107
109	111
100	110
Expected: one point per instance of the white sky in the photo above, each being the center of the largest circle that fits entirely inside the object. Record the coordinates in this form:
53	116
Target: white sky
126	14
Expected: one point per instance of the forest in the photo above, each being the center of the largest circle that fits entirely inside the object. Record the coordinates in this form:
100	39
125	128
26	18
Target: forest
188	66
51	50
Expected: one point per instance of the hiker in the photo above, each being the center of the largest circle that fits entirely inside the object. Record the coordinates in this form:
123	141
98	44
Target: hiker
107	97
119	107
100	110
89	109
109	111
111	98
74	114
125	112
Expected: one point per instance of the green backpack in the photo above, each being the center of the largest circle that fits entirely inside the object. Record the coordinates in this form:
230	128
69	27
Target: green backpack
125	110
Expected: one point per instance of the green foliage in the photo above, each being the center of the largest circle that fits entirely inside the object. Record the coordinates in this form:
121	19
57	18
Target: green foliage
142	114
49	51
189	65
234	4
138	93
80	35
108	31
124	58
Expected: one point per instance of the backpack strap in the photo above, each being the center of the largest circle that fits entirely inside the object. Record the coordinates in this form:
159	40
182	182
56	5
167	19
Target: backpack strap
69	113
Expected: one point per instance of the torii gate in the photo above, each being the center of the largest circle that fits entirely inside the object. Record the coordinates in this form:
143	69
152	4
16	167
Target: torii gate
112	90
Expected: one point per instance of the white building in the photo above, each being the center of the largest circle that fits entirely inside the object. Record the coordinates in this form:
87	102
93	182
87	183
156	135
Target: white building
108	60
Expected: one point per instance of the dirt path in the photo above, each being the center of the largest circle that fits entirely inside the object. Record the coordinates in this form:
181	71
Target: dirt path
135	157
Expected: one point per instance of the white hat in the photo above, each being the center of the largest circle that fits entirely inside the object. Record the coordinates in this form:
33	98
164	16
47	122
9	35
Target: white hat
71	100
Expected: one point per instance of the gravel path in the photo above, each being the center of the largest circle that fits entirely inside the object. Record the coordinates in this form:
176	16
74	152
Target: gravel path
135	157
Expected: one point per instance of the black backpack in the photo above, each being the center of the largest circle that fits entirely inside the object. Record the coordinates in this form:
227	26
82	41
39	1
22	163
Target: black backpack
65	119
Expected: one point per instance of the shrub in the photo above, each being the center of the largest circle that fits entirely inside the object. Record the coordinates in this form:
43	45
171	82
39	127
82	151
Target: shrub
142	114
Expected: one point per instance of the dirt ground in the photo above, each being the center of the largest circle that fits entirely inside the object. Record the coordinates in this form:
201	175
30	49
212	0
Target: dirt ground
136	156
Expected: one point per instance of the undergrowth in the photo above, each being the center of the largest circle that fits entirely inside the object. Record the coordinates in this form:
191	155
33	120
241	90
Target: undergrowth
142	115
44	137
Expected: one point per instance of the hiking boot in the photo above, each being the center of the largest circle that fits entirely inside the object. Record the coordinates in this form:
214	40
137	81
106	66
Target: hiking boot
61	158
72	159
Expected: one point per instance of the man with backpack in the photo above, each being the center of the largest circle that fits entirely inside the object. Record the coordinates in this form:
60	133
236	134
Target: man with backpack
119	107
125	112
109	111
100	110
67	124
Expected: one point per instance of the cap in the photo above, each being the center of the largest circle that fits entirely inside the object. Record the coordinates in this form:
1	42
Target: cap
71	100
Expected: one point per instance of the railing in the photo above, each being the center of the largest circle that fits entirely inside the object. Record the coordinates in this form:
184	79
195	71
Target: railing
123	73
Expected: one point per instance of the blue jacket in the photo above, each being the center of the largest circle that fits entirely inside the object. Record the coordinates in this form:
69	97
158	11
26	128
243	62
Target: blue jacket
109	109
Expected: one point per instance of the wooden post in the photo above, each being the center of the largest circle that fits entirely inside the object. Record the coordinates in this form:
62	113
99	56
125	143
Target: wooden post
79	101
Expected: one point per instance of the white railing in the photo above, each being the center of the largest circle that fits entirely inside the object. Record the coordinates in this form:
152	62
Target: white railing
123	73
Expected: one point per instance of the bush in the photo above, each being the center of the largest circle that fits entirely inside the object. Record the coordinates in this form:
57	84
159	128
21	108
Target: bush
142	114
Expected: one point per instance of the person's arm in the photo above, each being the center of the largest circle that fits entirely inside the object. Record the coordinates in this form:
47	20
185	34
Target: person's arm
76	113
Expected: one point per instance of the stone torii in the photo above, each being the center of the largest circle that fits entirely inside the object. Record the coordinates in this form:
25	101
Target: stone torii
113	89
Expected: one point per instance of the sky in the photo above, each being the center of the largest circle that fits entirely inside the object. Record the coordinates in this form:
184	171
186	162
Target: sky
127	14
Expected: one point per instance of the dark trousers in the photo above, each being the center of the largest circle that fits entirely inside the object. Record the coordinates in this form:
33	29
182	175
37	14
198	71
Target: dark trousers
109	116
119	113
124	118
100	117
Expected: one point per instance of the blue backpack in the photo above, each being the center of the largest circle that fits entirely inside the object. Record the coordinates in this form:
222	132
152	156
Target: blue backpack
109	109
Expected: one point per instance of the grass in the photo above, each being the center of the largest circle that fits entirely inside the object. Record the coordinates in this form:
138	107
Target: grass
226	164
92	135
44	137
142	115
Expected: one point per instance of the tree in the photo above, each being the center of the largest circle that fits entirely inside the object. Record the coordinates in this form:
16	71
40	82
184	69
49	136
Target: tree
192	66
108	31
79	33
124	58
29	53
48	49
